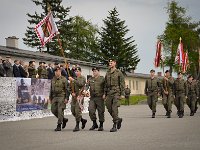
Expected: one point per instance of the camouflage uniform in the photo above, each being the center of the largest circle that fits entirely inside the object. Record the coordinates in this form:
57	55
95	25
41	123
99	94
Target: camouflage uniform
32	72
152	86
193	93
168	97
127	92
96	100
58	93
180	92
8	68
42	72
114	88
77	101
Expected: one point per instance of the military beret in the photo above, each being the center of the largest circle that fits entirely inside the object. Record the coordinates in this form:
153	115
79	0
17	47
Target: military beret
78	68
152	70
95	68
57	68
189	76
179	73
166	71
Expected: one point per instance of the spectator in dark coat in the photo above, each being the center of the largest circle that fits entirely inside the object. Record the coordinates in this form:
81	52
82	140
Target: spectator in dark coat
16	71
50	71
8	67
23	72
2	70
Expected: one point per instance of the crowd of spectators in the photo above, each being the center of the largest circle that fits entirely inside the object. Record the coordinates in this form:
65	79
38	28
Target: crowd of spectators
23	70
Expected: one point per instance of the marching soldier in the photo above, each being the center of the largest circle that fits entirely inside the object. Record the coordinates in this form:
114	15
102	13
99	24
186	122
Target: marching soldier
168	83
152	86
59	97
180	93
193	94
127	95
114	89
78	85
96	84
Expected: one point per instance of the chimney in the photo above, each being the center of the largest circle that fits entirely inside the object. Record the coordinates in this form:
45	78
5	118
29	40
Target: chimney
12	42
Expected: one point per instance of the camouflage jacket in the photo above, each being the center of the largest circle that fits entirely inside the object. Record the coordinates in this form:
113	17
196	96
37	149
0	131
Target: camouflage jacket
192	88
78	85
96	86
180	87
152	86
42	72
59	88
114	82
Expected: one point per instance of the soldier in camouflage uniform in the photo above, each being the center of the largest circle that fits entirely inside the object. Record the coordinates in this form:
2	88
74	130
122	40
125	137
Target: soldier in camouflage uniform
59	96
167	84
78	85
42	71
180	93
96	84
114	89
152	86
127	92
31	70
193	94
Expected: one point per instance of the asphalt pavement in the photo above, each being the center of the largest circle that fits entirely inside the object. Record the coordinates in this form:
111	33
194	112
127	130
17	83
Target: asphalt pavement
139	132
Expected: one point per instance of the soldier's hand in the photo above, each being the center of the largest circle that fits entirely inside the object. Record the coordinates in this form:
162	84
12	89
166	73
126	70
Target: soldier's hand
186	97
73	94
121	97
70	78
66	101
104	96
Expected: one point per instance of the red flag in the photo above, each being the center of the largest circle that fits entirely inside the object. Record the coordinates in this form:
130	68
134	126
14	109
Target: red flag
179	54
185	63
158	54
46	29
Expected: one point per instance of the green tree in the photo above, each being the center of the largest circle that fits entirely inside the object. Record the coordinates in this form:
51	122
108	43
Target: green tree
81	39
179	25
60	14
114	43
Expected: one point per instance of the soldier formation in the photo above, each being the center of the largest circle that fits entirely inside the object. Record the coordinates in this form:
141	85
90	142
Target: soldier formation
103	91
177	91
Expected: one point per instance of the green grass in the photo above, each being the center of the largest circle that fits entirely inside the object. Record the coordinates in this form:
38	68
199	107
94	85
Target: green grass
134	99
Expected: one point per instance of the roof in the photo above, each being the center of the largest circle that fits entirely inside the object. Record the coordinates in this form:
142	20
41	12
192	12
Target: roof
138	75
43	56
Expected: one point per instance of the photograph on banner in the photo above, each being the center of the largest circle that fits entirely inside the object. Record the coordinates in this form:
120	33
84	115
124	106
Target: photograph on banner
32	94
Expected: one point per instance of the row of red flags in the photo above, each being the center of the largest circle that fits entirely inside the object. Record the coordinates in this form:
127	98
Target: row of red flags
181	57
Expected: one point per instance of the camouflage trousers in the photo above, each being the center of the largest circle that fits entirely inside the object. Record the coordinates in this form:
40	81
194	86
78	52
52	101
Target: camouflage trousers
167	102
112	104
75	109
57	108
96	103
191	102
151	100
179	102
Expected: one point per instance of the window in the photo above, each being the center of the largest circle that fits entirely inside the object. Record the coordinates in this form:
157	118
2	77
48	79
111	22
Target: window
133	85
130	84
136	85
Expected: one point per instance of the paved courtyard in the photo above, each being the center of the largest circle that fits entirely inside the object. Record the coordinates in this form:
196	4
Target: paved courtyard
139	132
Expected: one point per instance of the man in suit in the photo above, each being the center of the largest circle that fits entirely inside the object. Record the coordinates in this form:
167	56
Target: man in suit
16	71
50	71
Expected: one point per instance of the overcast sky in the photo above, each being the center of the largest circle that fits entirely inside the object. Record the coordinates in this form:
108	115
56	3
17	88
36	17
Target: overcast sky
146	19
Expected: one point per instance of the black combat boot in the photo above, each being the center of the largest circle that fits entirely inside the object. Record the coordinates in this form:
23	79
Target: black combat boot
101	126
191	113
114	129
84	121
77	126
58	127
169	115
153	115
94	126
119	123
181	114
65	120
